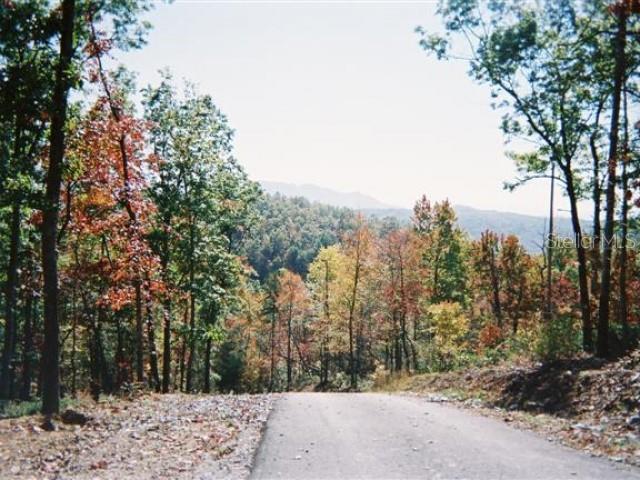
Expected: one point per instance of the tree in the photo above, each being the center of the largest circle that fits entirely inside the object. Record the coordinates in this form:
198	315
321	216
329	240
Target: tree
327	285
204	201
27	59
125	33
536	61
358	250
443	251
489	276
291	304
399	261
621	10
63	83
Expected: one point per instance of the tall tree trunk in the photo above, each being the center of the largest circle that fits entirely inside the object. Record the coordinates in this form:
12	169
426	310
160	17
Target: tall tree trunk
139	334
11	295
618	83
50	353
74	340
623	309
166	334
182	353
166	348
192	341
495	287
585	306
154	376
27	347
597	199
550	240
352	306
122	370
289	360
207	367
192	300
272	341
106	379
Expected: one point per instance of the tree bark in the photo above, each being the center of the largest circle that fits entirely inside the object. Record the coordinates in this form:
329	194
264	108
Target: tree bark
27	347
11	295
289	360
605	285
139	330
50	354
585	306
166	335
154	376
549	301
207	367
597	199
623	308
166	348
272	369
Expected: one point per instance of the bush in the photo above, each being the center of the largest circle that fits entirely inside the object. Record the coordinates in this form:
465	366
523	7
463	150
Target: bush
561	337
449	327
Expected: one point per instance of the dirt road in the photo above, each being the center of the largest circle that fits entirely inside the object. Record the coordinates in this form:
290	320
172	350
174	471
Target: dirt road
352	435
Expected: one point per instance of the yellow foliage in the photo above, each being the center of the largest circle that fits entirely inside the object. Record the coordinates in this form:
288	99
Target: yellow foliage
449	326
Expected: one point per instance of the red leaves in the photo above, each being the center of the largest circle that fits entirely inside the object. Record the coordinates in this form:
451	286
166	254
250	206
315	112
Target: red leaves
109	209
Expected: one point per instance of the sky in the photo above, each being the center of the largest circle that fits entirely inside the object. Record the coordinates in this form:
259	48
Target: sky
340	95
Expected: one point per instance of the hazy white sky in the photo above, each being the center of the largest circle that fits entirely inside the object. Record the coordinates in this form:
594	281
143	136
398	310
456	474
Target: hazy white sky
340	95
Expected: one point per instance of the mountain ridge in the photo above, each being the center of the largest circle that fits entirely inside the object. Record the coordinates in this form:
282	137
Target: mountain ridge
529	228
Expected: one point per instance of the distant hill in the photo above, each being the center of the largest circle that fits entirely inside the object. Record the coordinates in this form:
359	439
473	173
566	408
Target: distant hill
529	228
314	193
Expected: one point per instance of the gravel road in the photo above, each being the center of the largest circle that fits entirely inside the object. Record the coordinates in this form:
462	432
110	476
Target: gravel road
361	435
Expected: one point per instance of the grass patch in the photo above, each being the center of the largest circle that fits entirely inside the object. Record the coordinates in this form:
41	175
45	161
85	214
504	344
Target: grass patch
21	408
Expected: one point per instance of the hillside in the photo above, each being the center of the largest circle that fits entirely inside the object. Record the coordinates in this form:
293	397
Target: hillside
529	228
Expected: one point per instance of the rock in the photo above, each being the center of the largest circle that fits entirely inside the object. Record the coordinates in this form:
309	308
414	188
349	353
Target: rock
633	421
580	426
71	417
47	425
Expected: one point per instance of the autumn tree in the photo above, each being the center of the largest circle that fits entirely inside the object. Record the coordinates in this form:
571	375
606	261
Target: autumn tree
399	261
443	251
554	72
292	305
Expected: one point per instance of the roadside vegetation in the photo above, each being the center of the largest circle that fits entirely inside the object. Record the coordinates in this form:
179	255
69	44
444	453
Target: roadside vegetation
137	256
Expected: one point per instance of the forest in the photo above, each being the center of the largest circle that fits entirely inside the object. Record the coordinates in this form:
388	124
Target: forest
137	254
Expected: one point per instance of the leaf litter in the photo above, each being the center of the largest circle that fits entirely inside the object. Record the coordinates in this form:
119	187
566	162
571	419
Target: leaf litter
174	436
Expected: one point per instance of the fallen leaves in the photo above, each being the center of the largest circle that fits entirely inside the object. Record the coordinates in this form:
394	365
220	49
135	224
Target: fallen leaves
168	436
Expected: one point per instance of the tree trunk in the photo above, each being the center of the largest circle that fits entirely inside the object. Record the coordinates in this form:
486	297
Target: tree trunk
192	300
154	377
166	348
289	360
74	339
166	335
272	369
585	306
192	341
605	285
207	367
352	306
623	308
597	199
549	300
27	347
50	353
11	295
139	334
